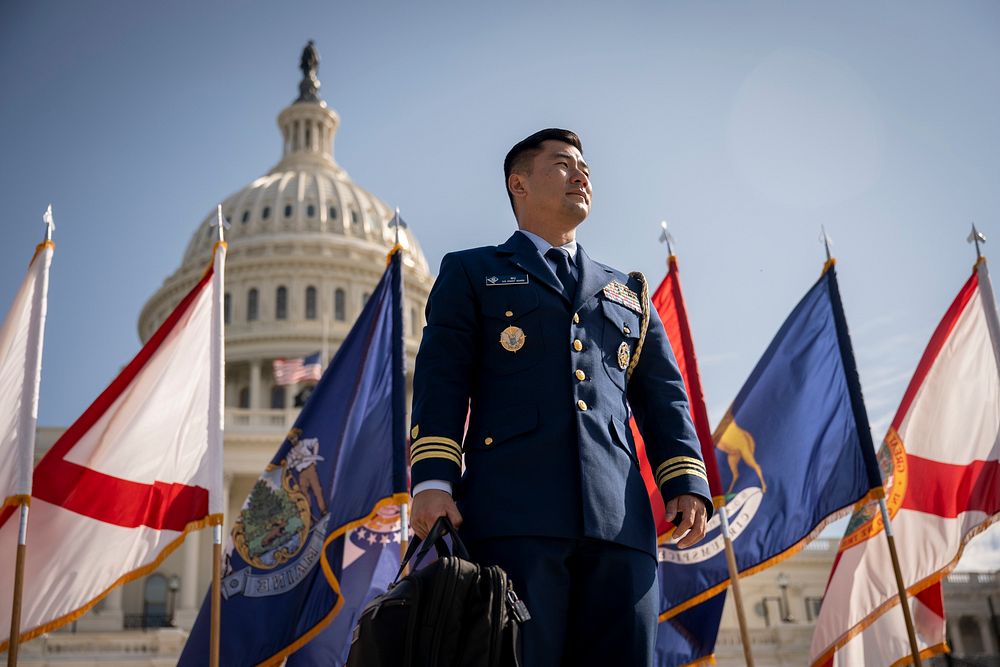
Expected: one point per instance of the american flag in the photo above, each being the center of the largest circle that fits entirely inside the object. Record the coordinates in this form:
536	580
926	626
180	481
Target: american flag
290	371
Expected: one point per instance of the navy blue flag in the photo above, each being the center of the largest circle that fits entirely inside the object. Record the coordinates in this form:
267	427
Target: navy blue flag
689	637
319	534
794	453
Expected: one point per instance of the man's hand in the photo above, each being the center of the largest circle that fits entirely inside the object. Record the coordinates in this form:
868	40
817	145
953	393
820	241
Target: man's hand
692	509
432	504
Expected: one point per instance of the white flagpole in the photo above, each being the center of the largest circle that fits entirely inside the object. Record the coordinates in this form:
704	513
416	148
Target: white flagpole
404	507
216	412
326	341
28	421
986	292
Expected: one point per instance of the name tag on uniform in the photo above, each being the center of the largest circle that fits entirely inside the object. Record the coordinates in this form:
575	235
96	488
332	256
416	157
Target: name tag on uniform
501	281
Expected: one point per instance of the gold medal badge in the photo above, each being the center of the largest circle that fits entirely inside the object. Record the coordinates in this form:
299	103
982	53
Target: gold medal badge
623	356
512	338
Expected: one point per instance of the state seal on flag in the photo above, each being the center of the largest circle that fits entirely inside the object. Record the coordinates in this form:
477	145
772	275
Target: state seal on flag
866	521
275	521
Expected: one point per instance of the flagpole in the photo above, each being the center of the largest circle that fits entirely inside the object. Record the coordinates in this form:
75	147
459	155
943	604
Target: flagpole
15	615
734	583
718	500
326	341
399	372
874	473
900	585
26	428
216	415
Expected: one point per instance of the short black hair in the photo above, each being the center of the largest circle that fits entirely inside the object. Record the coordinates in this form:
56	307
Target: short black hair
526	149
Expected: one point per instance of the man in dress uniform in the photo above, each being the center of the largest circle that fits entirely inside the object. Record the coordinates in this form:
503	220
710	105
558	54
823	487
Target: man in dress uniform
548	353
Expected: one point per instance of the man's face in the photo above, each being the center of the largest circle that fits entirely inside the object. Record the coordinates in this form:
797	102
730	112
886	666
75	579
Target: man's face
559	182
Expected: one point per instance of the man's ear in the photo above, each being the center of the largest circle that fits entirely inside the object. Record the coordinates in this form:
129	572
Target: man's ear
517	185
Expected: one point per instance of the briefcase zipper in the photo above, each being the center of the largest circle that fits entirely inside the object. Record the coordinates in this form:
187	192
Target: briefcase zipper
498	582
398	602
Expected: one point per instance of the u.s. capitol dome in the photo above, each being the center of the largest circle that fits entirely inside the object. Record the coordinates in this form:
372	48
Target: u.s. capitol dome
306	247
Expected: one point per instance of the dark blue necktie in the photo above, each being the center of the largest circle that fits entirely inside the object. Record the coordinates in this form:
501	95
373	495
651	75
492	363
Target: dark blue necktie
563	273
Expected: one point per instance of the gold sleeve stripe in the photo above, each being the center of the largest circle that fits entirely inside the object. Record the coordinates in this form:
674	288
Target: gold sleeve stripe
678	473
680	459
677	461
436	448
684	469
674	473
435	439
431	454
414	450
687	466
446	445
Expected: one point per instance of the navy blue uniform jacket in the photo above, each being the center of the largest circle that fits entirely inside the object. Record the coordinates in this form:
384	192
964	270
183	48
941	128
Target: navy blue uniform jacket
548	451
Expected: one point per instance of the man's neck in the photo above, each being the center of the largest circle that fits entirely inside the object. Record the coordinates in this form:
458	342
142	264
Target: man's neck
556	237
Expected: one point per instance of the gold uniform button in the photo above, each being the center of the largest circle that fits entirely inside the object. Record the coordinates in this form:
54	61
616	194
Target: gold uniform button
488	441
626	330
580	375
577	345
509	313
576	318
581	405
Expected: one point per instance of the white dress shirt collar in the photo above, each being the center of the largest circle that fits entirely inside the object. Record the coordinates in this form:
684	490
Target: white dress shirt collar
543	245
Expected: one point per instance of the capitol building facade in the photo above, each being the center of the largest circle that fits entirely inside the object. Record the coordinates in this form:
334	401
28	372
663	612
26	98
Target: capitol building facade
306	247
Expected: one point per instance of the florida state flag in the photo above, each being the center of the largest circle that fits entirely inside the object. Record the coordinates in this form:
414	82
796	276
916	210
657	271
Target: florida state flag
940	464
125	483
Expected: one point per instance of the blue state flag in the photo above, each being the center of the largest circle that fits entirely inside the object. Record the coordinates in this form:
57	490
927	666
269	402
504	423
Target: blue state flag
794	453
319	534
688	638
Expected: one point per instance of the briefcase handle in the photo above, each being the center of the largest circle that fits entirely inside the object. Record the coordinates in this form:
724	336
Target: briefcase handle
435	538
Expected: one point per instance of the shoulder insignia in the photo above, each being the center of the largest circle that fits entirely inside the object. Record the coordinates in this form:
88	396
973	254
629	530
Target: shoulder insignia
622	294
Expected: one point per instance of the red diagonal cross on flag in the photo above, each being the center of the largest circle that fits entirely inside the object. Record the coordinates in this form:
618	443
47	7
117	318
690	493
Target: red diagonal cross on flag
948	490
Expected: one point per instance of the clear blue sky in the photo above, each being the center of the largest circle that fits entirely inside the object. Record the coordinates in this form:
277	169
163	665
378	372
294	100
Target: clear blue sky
746	125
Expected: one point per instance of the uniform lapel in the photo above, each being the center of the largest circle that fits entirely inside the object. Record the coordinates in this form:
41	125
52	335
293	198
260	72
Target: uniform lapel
593	278
525	255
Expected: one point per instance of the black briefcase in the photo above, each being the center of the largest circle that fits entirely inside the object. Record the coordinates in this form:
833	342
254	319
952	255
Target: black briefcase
450	613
